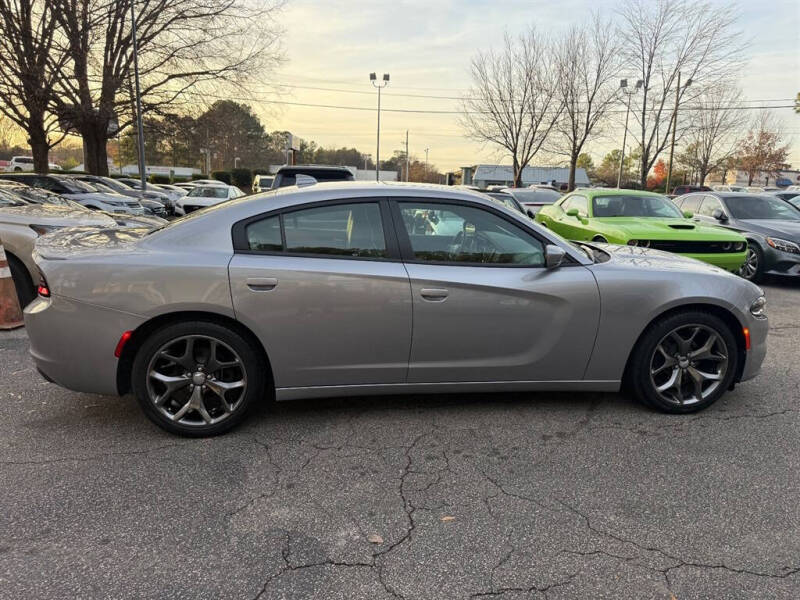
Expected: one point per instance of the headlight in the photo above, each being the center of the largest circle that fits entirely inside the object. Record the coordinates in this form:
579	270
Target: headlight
44	229
783	245
739	246
759	307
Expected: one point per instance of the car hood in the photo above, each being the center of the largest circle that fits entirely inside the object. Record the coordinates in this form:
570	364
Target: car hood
200	200
647	258
789	230
50	214
84	241
668	229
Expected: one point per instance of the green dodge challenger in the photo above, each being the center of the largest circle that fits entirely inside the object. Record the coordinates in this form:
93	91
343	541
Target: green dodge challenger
641	219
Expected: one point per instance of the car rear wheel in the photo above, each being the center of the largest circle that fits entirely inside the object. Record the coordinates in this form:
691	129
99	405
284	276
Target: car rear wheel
600	238
684	362
753	267
197	378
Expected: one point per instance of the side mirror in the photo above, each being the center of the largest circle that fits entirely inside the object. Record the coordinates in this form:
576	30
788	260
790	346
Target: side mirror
572	212
530	213
553	256
719	215
688	214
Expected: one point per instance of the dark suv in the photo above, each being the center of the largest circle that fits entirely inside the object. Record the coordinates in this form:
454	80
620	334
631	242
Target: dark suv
287	175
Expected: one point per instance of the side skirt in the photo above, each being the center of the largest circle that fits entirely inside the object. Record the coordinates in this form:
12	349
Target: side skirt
469	387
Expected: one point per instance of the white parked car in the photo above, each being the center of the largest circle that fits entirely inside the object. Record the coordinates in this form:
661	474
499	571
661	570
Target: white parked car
25	163
206	195
262	183
728	188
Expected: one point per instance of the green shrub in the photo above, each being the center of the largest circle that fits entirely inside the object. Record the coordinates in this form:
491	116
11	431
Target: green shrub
260	171
242	178
223	176
155	178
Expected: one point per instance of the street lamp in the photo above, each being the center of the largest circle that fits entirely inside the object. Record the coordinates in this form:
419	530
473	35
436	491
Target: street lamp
623	85
675	126
140	132
374	79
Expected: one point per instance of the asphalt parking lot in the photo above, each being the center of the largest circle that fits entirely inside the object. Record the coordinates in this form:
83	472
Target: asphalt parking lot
512	496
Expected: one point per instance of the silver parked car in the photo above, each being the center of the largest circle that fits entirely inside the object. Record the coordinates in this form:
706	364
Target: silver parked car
359	289
22	222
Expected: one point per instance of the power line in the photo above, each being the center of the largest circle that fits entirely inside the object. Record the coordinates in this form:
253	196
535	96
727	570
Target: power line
456	112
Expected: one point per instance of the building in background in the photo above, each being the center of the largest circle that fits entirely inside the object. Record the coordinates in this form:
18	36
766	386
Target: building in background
483	176
784	178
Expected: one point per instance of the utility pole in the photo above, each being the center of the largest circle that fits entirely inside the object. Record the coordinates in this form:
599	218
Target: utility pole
142	174
426	162
373	78
674	127
407	159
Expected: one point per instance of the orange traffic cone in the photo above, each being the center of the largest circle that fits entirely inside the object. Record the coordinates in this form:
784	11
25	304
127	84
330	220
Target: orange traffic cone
10	312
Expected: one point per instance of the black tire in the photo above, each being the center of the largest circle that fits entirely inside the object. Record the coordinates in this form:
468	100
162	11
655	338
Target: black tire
638	374
600	238
255	375
758	256
23	283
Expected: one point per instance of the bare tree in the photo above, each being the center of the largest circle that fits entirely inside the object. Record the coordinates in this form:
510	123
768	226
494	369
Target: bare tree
513	102
186	47
716	123
29	66
587	59
663	39
763	150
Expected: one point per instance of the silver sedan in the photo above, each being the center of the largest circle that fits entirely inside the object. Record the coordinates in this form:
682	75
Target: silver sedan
359	289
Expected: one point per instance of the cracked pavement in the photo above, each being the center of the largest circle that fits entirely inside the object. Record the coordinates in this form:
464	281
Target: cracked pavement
475	496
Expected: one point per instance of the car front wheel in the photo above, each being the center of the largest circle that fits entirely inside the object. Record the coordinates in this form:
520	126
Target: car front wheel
197	378
753	267
684	362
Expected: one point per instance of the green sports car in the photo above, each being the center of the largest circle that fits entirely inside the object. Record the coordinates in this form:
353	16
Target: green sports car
641	219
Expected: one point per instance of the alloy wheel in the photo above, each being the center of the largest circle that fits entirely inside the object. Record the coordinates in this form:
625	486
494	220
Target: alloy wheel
750	266
688	364
196	380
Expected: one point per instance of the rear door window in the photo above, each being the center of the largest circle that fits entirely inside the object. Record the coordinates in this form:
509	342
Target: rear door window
352	230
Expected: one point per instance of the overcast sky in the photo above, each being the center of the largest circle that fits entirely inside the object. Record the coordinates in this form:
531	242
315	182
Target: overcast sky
426	46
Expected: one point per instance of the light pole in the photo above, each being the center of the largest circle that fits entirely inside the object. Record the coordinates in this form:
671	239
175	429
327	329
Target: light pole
426	162
374	79
623	85
142	174
674	127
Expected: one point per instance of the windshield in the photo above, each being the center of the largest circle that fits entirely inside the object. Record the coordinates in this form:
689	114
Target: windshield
7	199
209	191
538	196
114	184
761	207
634	206
73	185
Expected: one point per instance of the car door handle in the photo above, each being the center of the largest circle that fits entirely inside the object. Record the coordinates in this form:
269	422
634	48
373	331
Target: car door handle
262	284
434	294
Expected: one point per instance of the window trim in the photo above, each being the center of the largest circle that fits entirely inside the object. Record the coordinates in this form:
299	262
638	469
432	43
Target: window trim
407	252
241	246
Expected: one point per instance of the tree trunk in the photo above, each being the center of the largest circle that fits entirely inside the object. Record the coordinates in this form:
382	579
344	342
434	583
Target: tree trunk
94	143
572	165
643	178
517	173
37	138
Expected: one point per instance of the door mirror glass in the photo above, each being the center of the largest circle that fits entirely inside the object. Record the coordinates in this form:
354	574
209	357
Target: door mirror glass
688	214
572	212
719	215
553	256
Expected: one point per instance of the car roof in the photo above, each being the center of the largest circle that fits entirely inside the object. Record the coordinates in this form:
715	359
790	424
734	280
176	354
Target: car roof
591	192
303	169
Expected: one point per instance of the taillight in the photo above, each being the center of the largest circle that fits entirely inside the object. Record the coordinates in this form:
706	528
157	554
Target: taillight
121	343
43	289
